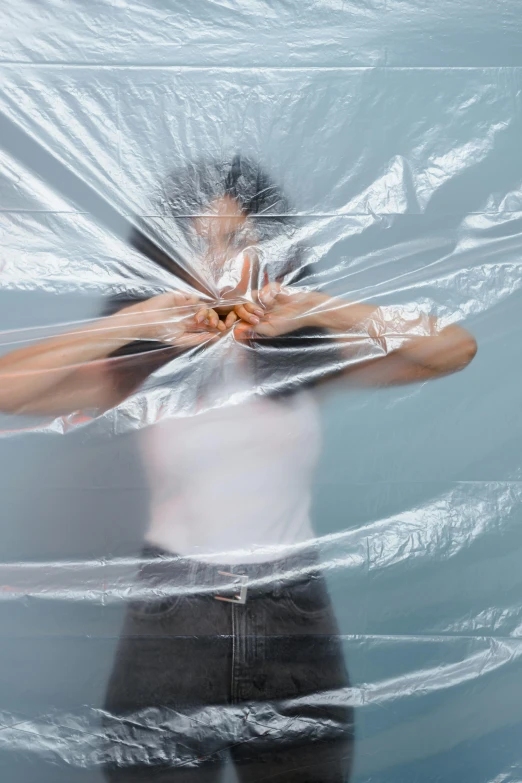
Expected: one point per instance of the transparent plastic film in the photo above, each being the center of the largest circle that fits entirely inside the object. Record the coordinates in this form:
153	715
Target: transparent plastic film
259	392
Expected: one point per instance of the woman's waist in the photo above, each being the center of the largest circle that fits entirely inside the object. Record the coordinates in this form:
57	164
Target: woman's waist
162	572
221	539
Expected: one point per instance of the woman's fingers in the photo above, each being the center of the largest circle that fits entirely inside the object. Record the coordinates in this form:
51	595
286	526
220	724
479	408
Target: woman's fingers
207	316
201	315
249	312
178	314
230	319
253	308
213	319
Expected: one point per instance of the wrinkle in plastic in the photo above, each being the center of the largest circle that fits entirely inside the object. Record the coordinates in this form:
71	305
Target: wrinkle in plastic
241	301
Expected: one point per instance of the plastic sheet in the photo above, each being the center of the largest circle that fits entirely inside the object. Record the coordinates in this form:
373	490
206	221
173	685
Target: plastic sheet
343	471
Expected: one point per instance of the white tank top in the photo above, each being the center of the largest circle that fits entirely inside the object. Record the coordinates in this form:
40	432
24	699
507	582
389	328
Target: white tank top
233	484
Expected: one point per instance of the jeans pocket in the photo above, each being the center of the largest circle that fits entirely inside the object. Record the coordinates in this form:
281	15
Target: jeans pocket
154	608
310	597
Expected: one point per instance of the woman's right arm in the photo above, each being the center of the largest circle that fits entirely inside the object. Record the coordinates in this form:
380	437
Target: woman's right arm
72	372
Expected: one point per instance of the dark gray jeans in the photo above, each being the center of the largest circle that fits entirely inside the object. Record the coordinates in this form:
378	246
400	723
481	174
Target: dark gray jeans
198	681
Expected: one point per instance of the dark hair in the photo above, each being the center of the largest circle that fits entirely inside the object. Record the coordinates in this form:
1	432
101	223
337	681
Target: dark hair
283	365
187	191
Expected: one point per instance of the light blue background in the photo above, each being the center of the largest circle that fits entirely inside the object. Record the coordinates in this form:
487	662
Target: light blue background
395	127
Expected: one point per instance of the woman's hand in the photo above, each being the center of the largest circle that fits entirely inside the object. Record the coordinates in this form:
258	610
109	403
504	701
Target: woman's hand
283	311
405	347
180	319
243	310
246	312
177	318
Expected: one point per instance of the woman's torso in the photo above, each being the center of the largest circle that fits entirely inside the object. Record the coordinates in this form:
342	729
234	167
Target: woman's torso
233	483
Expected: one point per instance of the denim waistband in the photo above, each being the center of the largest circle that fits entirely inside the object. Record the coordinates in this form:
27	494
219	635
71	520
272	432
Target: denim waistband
161	568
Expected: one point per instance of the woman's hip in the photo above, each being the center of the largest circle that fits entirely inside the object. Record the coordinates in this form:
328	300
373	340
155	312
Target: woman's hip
205	663
230	632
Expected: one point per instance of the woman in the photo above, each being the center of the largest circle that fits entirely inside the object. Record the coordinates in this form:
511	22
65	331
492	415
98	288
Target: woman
231	649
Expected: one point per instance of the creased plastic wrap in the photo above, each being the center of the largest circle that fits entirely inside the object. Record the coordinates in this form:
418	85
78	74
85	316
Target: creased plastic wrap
260	375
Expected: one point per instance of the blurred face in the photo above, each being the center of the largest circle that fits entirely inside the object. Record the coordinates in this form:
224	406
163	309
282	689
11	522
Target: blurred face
221	225
225	232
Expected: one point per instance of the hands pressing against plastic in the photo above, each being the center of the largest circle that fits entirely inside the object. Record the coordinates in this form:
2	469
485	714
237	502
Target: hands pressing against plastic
185	320
284	310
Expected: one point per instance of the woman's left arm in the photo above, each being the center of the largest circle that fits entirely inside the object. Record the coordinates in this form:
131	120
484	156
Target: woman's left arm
382	345
406	346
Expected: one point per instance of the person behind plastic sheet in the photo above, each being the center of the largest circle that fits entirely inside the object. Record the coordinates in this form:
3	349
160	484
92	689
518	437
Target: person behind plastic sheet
259	674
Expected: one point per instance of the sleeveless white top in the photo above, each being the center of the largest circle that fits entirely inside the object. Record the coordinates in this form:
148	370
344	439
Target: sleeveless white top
233	484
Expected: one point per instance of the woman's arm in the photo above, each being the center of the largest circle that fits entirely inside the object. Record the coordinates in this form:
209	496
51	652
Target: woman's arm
405	347
382	345
73	371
